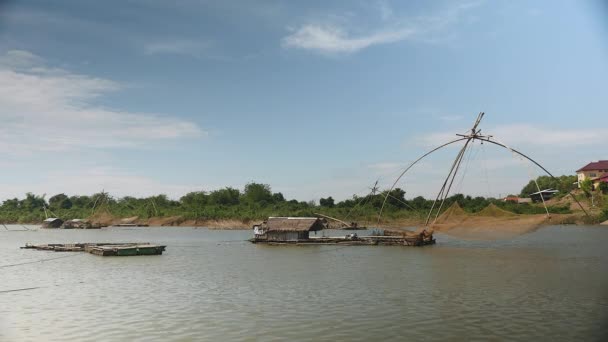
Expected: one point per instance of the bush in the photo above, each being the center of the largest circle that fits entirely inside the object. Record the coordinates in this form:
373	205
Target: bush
603	187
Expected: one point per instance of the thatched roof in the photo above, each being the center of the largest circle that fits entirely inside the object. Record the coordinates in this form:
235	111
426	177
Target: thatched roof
293	224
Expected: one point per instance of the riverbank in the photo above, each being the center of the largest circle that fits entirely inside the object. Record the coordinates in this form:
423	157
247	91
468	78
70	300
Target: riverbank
510	223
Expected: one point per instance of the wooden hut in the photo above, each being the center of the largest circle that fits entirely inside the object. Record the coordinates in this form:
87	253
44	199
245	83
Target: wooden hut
52	222
543	195
287	228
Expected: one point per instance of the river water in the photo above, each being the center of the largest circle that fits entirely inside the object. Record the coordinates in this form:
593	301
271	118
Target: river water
214	286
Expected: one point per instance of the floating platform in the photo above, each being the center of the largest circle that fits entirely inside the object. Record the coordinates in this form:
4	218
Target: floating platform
103	249
355	241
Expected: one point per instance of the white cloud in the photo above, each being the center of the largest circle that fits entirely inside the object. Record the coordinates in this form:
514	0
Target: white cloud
336	38
329	39
46	109
177	47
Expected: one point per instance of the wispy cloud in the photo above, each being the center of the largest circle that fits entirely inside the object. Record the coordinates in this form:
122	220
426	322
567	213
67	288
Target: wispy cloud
332	39
526	134
451	118
339	38
116	181
385	10
194	48
51	109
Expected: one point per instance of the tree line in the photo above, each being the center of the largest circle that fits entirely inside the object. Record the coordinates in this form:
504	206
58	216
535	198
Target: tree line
257	201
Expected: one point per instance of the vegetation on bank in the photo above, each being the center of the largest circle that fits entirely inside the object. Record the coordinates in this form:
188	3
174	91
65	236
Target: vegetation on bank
257	201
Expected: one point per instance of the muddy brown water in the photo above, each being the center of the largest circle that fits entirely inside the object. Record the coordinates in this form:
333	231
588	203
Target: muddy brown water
211	285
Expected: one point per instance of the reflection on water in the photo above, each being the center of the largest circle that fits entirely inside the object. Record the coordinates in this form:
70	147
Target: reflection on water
212	285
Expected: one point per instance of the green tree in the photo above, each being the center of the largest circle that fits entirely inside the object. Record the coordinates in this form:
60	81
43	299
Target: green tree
225	196
257	193
277	197
327	202
11	204
60	201
564	184
603	187
587	186
194	199
32	202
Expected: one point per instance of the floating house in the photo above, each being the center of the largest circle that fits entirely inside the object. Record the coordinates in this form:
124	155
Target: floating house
287	228
52	222
296	231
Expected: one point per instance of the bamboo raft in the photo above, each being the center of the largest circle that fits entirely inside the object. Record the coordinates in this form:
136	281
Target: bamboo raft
103	249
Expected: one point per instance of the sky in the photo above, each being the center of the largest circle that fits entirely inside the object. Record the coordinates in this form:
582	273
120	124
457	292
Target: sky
315	98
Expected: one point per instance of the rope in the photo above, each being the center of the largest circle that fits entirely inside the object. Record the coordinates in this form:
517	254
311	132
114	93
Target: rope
40	287
393	197
466	167
485	169
442	192
410	166
530	174
24	289
42	260
363	199
447	192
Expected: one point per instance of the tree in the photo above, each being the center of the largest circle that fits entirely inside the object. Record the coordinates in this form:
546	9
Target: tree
11	204
60	201
257	193
225	196
395	198
564	184
277	197
327	202
31	202
587	186
603	187
194	199
419	202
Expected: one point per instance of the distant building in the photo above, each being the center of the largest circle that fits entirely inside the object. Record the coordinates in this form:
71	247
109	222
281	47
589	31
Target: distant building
594	171
599	180
516	199
287	228
546	194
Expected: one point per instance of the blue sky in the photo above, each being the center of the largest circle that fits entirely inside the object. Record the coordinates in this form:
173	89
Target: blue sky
314	98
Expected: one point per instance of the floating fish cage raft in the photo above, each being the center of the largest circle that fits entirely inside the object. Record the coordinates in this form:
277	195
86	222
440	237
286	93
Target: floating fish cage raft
350	240
103	249
296	231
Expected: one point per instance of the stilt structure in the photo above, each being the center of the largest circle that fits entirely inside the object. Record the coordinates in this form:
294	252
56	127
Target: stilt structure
444	191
